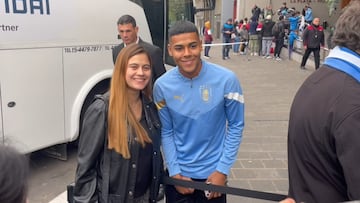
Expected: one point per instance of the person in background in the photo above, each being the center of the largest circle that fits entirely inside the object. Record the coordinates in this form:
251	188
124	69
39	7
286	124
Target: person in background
255	11
323	135
119	158
128	32
292	37
201	109
283	10
207	38
258	31
268	11
308	14
14	174
313	39
294	21
236	38
227	30
244	39
267	36
279	34
247	24
253	37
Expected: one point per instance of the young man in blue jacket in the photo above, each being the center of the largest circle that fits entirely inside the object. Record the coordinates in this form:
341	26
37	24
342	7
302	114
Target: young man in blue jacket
201	108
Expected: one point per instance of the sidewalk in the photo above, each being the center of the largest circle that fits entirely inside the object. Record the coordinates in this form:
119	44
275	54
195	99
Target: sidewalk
269	87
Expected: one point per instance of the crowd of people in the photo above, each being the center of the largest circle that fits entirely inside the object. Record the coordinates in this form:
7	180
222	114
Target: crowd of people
267	31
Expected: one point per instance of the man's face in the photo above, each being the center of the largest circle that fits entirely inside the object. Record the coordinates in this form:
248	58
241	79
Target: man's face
128	33
186	51
316	21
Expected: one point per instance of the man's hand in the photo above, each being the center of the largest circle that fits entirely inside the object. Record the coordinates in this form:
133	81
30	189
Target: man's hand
216	178
183	190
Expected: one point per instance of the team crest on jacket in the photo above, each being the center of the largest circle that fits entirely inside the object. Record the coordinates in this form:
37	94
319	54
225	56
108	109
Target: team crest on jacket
205	93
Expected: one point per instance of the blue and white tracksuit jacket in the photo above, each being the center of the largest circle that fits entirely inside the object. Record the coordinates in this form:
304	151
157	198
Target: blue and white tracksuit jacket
202	120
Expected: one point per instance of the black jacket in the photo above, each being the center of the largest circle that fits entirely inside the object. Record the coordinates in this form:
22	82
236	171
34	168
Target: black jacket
266	30
155	54
313	36
121	173
324	138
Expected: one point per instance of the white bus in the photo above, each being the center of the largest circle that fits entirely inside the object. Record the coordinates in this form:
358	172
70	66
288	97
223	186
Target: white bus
55	55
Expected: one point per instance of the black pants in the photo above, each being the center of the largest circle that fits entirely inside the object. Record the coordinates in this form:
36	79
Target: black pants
279	43
207	48
172	196
226	48
316	52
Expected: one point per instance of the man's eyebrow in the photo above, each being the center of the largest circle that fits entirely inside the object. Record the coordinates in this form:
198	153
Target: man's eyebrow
178	45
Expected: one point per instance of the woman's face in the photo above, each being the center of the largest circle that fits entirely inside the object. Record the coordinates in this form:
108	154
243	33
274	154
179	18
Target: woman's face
138	72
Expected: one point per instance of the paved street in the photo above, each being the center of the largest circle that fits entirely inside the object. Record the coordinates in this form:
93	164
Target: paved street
269	87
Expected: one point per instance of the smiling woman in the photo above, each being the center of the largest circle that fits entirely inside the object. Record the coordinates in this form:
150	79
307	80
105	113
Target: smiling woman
124	131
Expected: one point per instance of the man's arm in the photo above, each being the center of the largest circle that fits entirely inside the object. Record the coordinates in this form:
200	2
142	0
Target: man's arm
167	132
348	149
234	109
305	37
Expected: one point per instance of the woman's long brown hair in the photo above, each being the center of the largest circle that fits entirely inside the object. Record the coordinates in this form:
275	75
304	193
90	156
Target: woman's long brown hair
121	120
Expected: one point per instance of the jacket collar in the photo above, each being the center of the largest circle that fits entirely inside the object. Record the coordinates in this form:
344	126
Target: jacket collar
345	60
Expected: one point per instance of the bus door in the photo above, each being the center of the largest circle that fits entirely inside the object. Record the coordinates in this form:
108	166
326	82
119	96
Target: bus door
32	103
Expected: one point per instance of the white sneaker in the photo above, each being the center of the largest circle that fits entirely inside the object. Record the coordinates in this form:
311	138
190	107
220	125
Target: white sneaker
278	59
206	57
255	54
268	57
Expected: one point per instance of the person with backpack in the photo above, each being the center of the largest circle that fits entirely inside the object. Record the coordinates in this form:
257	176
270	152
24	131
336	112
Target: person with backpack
278	32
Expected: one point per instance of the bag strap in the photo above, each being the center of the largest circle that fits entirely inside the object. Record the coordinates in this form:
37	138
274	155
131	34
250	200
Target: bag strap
224	189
